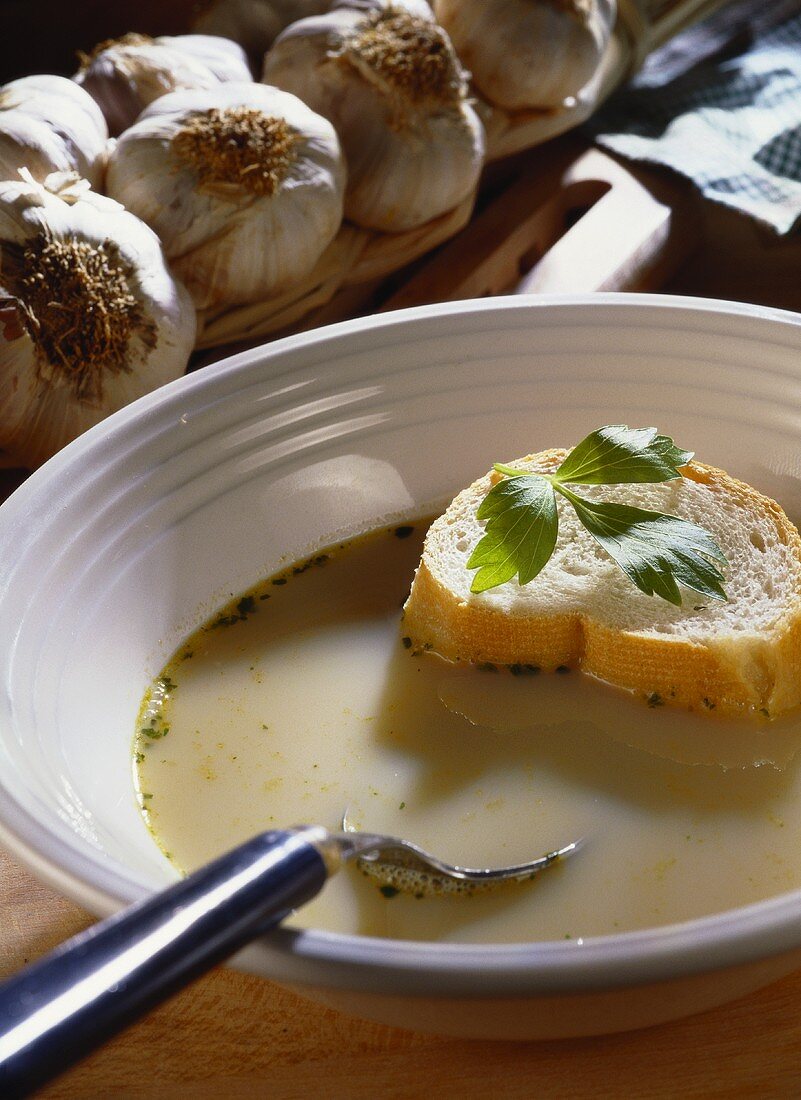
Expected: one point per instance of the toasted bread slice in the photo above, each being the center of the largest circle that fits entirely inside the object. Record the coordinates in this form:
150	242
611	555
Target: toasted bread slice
738	657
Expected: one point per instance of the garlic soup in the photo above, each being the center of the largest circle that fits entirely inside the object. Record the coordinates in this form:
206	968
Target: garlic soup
301	699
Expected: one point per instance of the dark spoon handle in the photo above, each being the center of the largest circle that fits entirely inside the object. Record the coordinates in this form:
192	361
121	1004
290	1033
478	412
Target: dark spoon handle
57	1010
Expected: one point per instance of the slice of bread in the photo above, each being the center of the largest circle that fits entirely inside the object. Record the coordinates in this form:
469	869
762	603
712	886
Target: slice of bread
738	657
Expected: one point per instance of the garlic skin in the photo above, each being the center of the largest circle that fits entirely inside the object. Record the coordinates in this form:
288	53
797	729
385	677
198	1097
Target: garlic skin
255	24
225	58
420	8
243	184
48	124
390	82
90	316
127	74
528	54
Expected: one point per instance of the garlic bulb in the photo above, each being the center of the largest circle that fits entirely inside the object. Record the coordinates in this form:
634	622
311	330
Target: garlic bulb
528	53
126	74
389	80
48	124
90	316
243	184
255	24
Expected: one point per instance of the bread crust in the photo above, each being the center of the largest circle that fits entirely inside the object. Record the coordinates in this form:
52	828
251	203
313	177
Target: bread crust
756	673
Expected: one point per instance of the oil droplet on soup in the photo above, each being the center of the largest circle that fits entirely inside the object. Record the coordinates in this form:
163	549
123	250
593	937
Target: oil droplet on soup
302	698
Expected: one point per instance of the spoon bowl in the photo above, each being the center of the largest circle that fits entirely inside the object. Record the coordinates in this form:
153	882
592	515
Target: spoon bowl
403	867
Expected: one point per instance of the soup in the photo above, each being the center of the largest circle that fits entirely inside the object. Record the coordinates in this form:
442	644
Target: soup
302	699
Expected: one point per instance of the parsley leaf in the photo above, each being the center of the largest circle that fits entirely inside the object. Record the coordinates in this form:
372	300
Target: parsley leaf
658	552
522	525
616	454
655	551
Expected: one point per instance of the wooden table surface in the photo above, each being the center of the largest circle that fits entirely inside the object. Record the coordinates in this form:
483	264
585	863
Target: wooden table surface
232	1035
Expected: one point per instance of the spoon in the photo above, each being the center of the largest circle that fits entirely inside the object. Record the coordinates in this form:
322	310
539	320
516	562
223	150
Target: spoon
58	1009
404	867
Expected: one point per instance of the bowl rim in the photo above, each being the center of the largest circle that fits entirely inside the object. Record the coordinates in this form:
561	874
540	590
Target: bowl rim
733	937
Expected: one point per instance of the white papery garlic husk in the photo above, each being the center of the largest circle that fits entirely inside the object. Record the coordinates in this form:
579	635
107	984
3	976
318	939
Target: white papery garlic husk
48	124
225	58
528	53
391	83
125	75
255	24
90	316
414	7
243	184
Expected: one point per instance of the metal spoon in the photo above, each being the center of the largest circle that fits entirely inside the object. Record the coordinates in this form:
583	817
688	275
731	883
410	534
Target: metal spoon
57	1010
405	867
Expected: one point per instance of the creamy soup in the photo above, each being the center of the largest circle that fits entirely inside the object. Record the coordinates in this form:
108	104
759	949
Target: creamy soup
302	699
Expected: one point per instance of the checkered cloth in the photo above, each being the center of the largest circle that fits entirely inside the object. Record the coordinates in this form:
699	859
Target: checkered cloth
722	105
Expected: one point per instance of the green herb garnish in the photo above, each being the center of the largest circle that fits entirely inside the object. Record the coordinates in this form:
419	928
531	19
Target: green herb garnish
657	552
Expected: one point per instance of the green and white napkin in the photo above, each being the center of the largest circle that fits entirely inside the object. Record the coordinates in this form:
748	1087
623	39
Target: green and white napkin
722	106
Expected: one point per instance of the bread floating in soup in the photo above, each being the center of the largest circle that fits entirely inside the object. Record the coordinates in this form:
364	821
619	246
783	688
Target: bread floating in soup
556	559
313	693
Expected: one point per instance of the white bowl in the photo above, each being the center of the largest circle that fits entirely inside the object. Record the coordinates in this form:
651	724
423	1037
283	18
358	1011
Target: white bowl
115	550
